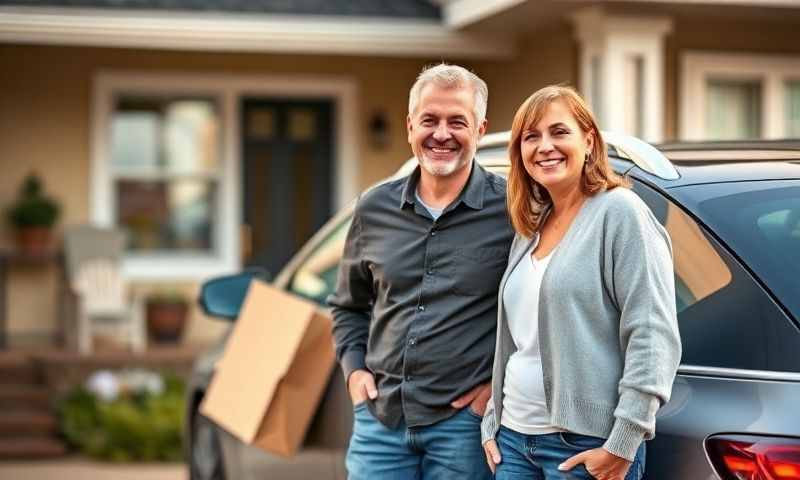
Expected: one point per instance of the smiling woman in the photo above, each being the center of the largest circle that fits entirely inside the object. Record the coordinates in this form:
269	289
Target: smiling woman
583	361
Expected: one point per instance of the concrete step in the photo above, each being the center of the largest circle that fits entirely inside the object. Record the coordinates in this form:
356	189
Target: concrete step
27	424
23	397
31	448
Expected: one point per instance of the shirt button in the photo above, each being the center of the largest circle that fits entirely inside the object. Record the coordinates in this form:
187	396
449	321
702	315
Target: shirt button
430	272
421	308
412	342
433	233
408	378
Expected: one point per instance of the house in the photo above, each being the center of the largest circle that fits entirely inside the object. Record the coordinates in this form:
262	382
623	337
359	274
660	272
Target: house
224	132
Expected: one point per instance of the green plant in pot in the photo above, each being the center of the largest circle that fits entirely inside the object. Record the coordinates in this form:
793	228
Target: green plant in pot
33	215
167	312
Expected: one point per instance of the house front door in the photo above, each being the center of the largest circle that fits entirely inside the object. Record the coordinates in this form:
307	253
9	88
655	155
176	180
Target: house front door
287	147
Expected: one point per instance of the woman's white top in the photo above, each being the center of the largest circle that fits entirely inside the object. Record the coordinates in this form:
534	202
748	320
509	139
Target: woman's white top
524	405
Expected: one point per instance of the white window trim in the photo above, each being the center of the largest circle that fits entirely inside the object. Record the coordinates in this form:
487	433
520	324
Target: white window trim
227	90
772	70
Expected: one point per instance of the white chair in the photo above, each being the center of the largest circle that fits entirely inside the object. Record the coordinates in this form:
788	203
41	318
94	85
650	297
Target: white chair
103	301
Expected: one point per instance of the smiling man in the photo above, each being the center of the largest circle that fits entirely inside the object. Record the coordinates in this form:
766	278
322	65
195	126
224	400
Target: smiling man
416	299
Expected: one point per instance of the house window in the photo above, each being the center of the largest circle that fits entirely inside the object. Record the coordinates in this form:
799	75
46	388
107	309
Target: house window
733	109
737	96
165	173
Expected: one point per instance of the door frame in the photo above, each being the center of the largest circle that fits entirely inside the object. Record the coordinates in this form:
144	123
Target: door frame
228	90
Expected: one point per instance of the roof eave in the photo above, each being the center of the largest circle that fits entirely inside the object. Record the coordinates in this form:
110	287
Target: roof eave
297	34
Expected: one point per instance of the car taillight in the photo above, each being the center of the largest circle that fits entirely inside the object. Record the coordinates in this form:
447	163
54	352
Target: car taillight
754	457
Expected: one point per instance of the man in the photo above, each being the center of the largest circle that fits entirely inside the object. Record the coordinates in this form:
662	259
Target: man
416	299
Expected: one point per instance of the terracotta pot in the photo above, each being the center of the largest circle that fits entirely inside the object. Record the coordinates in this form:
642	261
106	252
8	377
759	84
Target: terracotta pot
34	240
166	320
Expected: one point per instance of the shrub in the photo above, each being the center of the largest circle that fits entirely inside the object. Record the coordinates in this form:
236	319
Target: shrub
134	424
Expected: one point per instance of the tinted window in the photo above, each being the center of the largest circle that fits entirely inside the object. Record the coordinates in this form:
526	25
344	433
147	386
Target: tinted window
761	223
315	279
726	319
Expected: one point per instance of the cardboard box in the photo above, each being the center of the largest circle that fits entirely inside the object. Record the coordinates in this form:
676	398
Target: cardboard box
276	365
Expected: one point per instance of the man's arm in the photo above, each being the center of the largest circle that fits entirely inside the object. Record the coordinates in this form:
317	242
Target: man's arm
352	303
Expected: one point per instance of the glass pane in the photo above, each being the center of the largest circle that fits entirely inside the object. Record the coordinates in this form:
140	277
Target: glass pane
733	109
134	139
302	124
165	135
261	124
316	277
164	215
793	109
765	232
699	270
192	136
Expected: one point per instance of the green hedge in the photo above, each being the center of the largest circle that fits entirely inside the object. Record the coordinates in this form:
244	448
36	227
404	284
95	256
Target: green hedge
132	427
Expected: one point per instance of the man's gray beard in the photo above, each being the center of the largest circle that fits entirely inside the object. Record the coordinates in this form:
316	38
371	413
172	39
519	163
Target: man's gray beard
442	170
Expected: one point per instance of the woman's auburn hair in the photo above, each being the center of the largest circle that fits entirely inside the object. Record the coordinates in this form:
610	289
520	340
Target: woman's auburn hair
527	200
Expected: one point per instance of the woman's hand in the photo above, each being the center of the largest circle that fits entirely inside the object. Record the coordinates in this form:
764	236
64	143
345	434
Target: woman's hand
600	463
492	454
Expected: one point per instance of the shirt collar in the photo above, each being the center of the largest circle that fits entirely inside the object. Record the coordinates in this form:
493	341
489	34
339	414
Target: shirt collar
471	196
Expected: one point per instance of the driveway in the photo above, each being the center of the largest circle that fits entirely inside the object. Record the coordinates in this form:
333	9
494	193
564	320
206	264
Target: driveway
81	469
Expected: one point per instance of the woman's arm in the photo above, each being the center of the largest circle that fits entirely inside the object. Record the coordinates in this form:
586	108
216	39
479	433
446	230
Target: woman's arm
642	283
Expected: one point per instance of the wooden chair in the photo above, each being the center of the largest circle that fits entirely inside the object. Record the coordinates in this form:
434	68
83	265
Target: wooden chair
101	298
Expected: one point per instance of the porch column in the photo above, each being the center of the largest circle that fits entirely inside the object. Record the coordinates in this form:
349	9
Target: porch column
622	70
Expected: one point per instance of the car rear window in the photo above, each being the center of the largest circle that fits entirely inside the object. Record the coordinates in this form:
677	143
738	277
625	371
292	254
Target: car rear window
760	221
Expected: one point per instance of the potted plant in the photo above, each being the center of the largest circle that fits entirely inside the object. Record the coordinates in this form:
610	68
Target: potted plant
33	216
166	315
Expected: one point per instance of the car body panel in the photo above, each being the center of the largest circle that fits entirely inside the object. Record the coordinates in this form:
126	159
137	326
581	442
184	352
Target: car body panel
702	405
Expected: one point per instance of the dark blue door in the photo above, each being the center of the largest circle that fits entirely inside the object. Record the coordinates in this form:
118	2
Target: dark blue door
288	173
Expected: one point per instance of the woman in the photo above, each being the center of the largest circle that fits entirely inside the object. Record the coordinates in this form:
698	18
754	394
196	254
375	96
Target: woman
587	337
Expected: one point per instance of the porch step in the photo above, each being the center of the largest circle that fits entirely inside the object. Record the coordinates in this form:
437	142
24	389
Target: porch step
31	448
27	424
17	368
15	397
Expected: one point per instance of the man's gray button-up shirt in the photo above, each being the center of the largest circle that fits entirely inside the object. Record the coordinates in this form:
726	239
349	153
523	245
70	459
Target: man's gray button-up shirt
427	338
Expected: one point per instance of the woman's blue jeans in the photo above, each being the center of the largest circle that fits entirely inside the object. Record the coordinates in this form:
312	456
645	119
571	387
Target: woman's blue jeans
537	457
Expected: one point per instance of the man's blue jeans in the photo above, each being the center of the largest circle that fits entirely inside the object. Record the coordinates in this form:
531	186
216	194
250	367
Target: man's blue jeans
537	457
450	449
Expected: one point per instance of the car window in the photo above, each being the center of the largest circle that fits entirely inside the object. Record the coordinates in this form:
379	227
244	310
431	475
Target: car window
761	222
700	271
315	279
726	319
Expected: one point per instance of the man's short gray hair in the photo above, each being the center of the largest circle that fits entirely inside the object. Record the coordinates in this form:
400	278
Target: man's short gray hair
451	76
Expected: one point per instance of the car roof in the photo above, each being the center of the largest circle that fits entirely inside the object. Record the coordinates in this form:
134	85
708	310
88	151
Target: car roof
694	162
731	161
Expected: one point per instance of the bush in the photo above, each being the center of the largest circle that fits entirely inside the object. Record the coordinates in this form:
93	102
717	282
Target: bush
133	425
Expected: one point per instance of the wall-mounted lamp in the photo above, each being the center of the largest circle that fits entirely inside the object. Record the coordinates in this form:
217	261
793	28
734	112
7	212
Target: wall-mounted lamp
378	130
